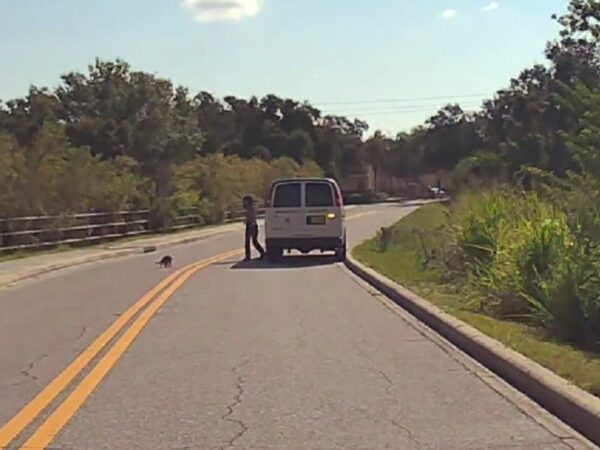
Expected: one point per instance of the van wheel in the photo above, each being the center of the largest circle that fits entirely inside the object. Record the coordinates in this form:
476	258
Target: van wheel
340	253
274	253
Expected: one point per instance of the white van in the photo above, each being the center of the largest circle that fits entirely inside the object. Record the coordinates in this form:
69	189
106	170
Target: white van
305	214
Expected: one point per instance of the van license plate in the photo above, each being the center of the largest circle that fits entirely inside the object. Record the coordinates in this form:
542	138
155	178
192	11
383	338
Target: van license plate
316	220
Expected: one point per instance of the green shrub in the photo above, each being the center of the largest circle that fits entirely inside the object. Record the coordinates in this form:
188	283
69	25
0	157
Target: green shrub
568	299
479	222
543	250
216	184
532	261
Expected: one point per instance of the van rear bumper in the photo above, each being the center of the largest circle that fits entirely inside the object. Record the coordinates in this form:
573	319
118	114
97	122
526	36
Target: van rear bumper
306	244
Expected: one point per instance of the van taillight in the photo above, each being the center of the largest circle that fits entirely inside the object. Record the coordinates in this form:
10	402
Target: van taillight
268	199
338	197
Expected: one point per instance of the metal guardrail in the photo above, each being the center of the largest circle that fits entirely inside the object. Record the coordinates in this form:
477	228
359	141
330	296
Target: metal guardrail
39	232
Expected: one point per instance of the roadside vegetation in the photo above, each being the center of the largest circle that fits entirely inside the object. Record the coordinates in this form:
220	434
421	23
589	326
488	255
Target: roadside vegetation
518	279
516	253
114	138
49	176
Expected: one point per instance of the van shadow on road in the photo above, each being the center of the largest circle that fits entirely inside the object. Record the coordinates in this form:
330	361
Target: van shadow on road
288	262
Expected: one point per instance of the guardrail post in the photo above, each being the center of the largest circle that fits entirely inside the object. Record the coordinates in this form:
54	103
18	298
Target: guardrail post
37	232
4	242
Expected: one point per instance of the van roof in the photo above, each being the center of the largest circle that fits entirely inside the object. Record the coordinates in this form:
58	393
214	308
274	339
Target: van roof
304	179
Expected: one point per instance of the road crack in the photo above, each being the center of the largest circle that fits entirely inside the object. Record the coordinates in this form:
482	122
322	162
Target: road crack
302	338
27	373
371	364
406	431
403	429
381	373
228	417
83	332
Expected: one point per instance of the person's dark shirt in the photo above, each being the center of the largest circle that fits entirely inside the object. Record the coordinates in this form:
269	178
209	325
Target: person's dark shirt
250	215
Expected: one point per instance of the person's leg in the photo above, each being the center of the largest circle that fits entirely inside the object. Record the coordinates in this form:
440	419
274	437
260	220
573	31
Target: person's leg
248	237
257	245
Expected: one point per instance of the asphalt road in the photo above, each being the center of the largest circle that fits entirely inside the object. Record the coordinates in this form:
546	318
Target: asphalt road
300	355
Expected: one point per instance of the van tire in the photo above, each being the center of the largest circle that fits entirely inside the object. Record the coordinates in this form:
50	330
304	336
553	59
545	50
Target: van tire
340	253
274	254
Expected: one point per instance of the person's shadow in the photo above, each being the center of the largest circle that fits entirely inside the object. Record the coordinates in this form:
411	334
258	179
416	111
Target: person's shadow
287	262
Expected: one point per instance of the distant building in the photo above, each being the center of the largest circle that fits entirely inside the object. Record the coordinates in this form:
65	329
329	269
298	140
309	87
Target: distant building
359	182
413	186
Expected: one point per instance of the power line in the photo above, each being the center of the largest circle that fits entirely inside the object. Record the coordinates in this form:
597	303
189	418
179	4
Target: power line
380	113
394	108
400	100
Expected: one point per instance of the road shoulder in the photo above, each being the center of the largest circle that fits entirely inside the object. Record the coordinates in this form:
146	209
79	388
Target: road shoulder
17	270
14	271
572	405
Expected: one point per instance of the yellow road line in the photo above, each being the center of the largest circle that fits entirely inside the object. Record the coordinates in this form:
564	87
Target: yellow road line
27	414
358	216
46	432
59	418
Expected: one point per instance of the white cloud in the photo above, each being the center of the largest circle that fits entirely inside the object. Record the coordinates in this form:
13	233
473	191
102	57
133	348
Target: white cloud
449	13
491	7
215	10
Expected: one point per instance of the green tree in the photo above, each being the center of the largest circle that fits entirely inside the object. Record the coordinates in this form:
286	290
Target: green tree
576	55
300	146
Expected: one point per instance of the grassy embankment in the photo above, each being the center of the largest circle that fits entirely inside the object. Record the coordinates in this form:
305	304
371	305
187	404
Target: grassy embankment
410	254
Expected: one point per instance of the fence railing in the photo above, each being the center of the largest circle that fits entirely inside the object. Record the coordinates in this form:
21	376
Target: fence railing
39	232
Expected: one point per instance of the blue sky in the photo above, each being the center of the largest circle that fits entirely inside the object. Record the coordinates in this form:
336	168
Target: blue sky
330	52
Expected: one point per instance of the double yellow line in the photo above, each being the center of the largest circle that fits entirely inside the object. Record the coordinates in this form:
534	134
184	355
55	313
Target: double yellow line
151	301
149	304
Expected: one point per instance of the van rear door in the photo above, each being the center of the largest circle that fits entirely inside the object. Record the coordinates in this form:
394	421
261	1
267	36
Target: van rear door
286	218
323	215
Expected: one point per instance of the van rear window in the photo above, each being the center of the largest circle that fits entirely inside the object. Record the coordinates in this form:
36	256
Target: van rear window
287	195
319	195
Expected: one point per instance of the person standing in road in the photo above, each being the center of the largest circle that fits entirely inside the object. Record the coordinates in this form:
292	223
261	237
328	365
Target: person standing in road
251	228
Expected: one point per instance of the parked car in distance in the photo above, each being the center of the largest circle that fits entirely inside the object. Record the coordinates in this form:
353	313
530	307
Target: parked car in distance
305	214
435	192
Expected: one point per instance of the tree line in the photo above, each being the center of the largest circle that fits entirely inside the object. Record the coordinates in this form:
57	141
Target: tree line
528	243
521	239
543	120
116	138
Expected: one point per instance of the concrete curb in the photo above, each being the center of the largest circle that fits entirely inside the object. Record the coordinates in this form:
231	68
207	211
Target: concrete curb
221	229
20	276
137	248
575	407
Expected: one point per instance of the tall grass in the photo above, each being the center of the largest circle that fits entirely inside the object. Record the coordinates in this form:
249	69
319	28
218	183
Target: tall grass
532	261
